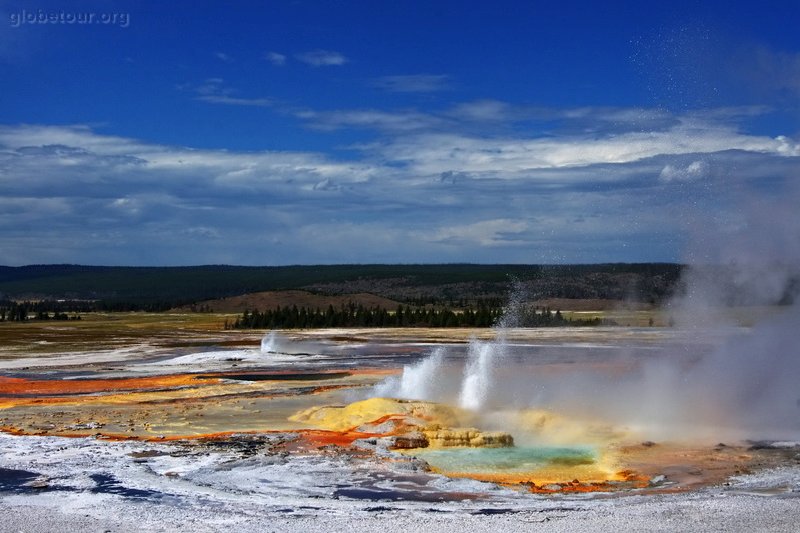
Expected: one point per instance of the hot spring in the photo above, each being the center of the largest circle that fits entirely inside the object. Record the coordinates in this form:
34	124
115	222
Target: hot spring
568	406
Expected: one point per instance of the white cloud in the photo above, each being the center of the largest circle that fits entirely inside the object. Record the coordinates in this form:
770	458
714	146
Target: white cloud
222	56
398	121
275	58
693	171
203	232
413	83
127	206
485	110
434	153
787	146
78	137
215	91
326	184
322	58
423	190
43	152
589	118
496	232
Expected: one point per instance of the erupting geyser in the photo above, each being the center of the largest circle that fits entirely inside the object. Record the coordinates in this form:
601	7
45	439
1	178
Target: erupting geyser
419	381
710	380
428	379
478	375
268	342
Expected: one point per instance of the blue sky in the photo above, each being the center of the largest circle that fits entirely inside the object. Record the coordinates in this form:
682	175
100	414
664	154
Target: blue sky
174	133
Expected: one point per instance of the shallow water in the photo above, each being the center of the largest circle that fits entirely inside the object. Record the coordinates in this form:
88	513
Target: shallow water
515	459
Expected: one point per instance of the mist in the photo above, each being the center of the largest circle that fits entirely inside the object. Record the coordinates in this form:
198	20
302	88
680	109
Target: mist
729	369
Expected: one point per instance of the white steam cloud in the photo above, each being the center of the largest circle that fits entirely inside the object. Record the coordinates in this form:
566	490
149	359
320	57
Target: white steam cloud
730	371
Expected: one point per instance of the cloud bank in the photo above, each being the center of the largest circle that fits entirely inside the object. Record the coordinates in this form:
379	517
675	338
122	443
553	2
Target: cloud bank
479	181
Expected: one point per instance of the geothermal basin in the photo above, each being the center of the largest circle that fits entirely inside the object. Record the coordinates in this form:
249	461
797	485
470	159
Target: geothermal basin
472	423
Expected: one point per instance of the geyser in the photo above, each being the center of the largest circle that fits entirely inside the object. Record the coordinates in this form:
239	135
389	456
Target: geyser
711	379
431	378
418	381
269	342
730	369
478	375
275	342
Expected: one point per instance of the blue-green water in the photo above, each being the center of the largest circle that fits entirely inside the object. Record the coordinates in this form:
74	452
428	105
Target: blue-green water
506	460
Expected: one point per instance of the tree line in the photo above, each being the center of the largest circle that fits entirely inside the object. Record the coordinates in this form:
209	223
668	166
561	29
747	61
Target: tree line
352	315
22	311
358	316
13	311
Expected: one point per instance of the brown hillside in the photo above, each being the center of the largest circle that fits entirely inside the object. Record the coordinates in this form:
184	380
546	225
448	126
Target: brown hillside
272	299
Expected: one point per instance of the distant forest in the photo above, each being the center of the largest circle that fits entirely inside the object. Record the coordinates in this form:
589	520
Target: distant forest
79	288
45	310
353	316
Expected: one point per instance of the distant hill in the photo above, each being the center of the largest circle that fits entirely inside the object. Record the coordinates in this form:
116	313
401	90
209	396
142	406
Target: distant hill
452	284
272	299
